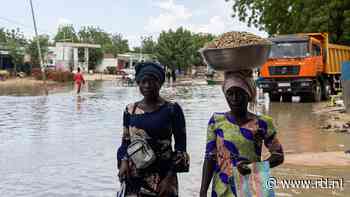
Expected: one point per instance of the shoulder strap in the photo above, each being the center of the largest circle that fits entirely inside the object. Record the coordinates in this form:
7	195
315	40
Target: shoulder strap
134	108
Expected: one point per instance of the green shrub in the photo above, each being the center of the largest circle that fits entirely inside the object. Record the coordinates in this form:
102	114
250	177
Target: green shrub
111	70
4	74
54	75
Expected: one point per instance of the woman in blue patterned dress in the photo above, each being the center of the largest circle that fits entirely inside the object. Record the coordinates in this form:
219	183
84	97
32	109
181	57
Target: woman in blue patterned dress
235	138
156	121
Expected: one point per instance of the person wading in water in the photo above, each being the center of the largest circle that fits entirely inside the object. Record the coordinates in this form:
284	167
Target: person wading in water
151	123
235	137
79	80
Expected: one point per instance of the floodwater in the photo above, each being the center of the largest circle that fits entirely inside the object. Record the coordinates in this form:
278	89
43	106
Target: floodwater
65	145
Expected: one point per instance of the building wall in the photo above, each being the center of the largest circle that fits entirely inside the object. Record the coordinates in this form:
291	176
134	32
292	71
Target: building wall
107	62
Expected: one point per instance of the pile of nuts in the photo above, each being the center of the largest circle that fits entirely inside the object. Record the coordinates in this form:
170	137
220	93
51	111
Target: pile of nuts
236	39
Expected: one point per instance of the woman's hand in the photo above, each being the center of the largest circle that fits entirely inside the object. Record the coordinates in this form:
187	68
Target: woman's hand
243	168
207	174
123	170
168	185
276	150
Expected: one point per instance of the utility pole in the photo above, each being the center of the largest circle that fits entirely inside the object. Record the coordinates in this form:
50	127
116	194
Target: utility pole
153	56
39	49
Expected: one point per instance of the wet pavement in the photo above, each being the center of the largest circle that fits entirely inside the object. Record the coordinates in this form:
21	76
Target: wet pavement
65	145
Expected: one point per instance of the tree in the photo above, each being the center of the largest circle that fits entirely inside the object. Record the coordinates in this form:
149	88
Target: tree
175	48
16	53
199	40
137	49
179	49
295	16
148	45
32	49
3	35
119	45
7	35
15	42
66	33
94	35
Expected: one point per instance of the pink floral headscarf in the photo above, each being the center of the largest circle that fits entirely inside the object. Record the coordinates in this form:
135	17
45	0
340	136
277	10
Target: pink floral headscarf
242	79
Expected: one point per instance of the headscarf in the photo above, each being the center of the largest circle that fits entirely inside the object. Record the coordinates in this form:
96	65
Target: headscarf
242	79
149	68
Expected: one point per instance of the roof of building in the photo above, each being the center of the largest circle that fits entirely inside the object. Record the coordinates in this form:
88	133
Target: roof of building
108	56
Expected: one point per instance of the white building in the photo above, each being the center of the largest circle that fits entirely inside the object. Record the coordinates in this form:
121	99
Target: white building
126	60
66	55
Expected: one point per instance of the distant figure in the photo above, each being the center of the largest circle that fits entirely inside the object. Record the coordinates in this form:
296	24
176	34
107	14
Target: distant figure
168	75
79	79
173	75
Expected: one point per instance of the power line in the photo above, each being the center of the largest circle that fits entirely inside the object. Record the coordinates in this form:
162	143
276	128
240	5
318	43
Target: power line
21	24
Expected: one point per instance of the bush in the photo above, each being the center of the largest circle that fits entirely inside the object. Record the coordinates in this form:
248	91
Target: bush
4	74
111	70
54	75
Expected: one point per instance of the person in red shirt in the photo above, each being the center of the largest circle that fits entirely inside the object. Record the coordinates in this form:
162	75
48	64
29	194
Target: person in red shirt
79	80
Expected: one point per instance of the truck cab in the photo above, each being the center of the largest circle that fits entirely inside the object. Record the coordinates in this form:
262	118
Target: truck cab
295	66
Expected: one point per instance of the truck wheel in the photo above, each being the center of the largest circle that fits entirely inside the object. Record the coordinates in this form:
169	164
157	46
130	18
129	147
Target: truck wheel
287	97
275	97
317	93
326	91
305	97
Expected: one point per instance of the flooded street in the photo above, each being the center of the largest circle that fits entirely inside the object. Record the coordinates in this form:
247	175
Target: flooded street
65	145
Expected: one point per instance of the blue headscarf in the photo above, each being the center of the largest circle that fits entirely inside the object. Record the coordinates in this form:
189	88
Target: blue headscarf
149	68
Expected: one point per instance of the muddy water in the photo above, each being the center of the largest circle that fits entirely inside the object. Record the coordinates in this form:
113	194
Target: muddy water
65	145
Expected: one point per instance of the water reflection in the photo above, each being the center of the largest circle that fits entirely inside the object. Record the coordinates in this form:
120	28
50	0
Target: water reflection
65	144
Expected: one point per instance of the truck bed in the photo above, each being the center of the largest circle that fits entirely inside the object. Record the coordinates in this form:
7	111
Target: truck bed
337	54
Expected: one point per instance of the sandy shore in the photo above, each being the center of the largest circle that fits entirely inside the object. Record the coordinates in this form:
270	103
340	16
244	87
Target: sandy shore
321	159
27	81
337	119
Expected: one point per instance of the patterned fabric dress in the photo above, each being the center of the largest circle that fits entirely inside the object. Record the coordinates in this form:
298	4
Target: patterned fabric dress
157	128
228	144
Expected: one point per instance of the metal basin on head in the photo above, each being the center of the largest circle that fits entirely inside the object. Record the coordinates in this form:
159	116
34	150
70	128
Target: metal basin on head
239	58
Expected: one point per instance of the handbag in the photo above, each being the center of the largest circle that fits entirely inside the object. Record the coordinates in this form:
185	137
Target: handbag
122	191
256	184
140	152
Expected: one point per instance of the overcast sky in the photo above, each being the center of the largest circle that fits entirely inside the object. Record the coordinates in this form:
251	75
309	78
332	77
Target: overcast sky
132	19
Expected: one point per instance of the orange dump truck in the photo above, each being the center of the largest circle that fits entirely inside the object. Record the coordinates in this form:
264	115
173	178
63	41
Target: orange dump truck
305	65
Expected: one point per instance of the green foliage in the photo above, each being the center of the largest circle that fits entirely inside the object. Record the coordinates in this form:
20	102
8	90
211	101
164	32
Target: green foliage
199	40
117	46
111	70
148	45
114	44
54	75
94	35
66	33
174	48
14	41
16	53
137	49
179	49
297	16
32	49
8	35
